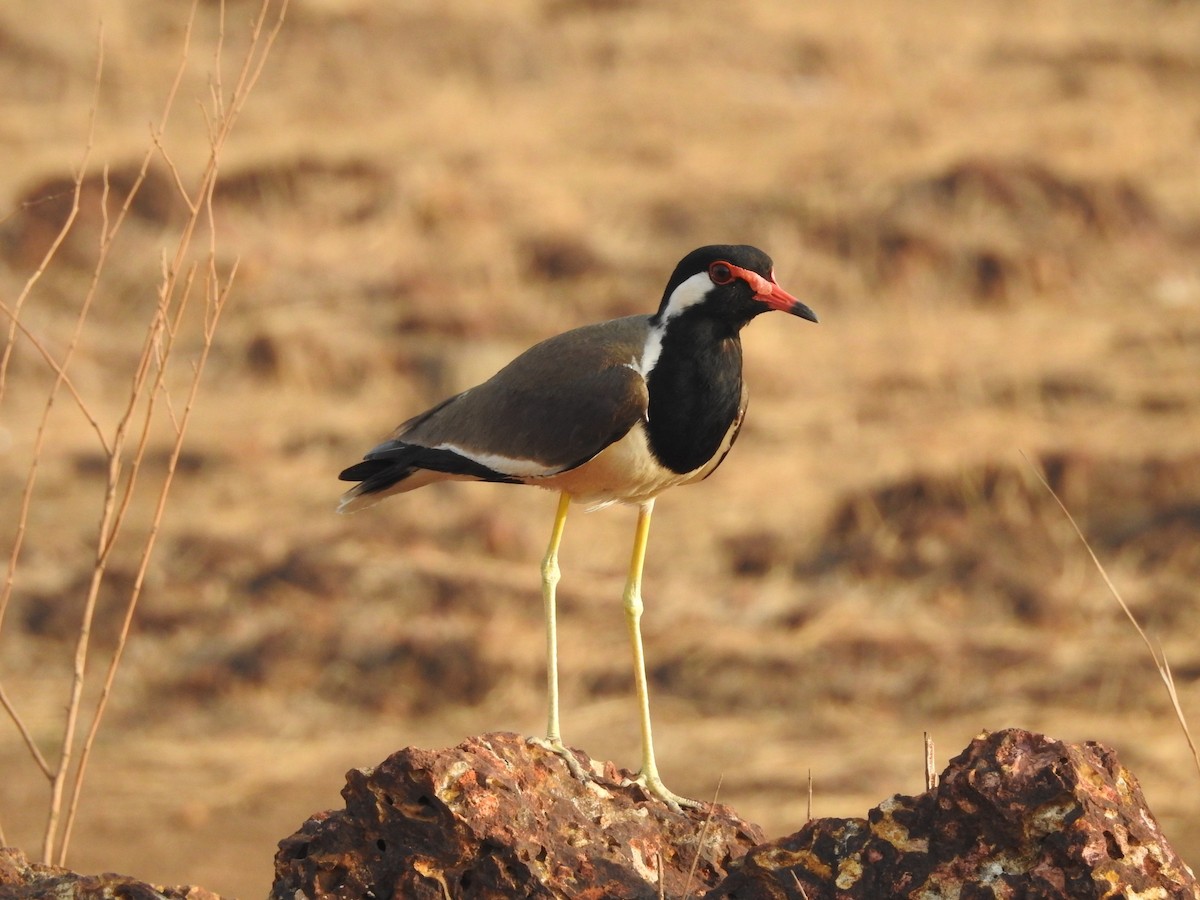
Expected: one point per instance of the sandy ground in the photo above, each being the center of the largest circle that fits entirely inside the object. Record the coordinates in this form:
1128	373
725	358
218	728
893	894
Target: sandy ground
994	208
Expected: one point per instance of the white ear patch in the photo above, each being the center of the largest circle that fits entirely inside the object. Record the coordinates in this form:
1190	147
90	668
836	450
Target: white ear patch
688	293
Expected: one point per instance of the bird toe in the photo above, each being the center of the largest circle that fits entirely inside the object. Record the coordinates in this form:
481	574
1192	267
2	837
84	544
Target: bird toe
654	787
561	750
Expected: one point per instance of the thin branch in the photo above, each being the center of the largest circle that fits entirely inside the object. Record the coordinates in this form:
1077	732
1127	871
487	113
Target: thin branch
218	53
79	670
31	476
111	518
60	369
104	540
158	350
140	578
52	250
25	735
164	355
156	140
14	318
107	238
159	324
149	392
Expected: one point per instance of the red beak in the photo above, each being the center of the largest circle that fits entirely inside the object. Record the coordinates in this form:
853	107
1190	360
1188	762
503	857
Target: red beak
768	292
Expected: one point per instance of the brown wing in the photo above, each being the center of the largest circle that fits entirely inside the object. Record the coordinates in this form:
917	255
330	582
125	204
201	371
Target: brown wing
552	408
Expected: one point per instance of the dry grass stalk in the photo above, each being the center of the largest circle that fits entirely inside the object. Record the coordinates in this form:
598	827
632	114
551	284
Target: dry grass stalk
808	810
15	326
1156	652
149	385
687	885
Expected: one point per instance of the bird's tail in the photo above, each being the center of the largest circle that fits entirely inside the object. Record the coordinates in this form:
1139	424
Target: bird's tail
377	478
395	467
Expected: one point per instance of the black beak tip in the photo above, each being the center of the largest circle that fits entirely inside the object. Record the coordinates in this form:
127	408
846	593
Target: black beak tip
799	309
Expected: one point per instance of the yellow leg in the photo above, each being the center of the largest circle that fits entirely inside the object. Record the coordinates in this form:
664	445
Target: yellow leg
648	777
550	576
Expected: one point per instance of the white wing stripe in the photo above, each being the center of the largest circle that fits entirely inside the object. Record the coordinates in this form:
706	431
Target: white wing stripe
507	465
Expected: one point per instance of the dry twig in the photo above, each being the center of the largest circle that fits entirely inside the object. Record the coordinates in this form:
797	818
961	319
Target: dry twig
1156	652
126	444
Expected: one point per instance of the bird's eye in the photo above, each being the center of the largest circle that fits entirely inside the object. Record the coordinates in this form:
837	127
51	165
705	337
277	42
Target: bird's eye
720	273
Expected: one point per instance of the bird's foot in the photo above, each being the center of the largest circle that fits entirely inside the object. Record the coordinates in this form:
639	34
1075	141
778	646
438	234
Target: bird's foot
558	748
653	786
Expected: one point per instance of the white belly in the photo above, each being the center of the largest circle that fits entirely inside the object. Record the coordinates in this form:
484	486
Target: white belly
624	472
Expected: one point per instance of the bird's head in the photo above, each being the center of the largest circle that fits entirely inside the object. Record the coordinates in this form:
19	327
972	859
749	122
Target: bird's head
730	282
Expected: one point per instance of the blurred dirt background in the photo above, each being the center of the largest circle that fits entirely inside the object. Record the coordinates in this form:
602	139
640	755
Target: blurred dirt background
993	206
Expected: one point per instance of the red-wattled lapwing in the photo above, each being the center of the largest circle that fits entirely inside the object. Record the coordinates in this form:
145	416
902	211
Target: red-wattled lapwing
610	413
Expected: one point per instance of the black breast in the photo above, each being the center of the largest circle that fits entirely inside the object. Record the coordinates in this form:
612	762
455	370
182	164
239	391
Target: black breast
695	389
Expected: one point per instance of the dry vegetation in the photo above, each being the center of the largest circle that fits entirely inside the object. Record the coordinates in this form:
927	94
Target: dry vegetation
995	209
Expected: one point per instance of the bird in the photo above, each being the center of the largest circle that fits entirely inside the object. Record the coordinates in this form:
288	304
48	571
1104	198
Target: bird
613	412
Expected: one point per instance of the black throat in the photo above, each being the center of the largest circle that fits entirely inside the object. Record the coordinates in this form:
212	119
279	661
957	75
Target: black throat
695	390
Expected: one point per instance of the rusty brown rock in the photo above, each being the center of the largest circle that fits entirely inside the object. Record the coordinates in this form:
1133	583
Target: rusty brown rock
1016	815
21	879
497	817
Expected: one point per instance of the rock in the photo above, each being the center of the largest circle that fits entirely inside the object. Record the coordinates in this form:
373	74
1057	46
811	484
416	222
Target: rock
22	880
498	817
1016	815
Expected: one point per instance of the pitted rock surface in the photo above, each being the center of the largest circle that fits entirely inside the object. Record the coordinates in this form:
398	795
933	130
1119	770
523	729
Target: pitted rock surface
499	817
21	879
1016	815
